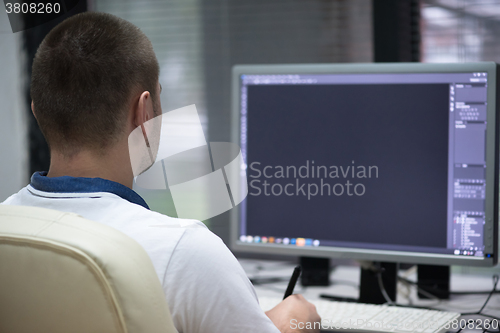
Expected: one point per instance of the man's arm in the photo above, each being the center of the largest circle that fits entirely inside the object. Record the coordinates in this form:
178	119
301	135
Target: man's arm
295	312
208	291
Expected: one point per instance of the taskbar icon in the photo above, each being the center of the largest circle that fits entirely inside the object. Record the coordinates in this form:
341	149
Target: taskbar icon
299	241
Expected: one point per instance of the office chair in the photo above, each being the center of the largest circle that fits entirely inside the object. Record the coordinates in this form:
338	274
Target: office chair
62	273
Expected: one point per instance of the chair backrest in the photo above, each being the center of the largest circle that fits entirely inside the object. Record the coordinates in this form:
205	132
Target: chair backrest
60	272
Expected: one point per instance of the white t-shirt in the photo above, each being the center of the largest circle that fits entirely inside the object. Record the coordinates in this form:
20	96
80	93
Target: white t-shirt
205	286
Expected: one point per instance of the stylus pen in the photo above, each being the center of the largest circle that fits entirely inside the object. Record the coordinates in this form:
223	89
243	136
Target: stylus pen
293	282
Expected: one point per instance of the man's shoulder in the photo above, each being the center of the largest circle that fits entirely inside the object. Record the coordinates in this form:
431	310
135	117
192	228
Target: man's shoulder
15	197
165	221
152	225
111	210
160	235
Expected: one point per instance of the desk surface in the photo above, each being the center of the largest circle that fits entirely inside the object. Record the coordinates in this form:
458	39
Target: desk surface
345	281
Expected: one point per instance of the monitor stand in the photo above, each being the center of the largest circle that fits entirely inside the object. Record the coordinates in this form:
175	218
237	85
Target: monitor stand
435	280
431	278
369	287
315	271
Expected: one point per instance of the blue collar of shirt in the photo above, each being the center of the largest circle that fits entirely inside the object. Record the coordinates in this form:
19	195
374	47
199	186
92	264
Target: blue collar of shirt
67	184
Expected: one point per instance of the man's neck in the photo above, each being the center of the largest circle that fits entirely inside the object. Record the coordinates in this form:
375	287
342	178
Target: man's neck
113	165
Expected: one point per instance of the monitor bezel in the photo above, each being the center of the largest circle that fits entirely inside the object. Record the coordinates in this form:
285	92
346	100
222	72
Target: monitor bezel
492	161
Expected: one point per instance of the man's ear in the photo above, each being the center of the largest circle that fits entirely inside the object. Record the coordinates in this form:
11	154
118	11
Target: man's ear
143	109
33	109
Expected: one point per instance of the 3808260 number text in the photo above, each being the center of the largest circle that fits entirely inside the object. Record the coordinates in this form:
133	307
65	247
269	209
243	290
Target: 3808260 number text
32	8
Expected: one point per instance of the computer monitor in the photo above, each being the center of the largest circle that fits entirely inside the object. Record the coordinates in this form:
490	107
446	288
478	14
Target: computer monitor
378	162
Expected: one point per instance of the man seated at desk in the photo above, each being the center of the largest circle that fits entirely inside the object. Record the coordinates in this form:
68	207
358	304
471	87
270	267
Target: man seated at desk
95	79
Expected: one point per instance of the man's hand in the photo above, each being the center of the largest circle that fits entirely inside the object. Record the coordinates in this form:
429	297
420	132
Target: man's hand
295	314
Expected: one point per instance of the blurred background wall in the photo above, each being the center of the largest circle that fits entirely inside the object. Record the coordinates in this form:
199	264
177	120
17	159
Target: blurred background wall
13	130
198	41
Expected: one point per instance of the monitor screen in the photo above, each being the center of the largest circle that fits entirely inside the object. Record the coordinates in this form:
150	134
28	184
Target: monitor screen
384	162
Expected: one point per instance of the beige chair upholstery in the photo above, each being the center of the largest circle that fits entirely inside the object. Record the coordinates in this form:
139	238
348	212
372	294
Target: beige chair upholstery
62	273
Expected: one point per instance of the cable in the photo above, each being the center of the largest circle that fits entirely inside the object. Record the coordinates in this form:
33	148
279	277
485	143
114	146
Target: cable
479	313
431	296
469	292
420	290
490	293
381	286
379	270
495	282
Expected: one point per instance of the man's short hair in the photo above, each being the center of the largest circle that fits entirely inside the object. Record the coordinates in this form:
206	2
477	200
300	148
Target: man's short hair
85	74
